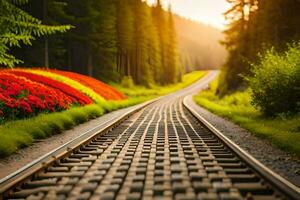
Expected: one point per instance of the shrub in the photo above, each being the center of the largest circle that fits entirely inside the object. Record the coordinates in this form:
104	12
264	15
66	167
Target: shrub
127	82
276	82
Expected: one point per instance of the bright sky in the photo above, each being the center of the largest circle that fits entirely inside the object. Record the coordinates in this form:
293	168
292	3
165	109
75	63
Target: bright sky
207	11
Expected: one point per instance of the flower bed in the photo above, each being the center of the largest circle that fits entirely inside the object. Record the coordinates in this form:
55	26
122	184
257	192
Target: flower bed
26	92
20	97
80	97
106	91
68	81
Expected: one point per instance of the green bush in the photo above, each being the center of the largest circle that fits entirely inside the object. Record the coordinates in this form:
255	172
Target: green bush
283	132
127	82
276	82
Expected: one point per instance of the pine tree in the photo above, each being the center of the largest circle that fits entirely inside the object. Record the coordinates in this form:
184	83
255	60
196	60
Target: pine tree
237	42
155	56
255	26
112	39
49	50
278	23
18	27
160	22
141	72
173	68
104	37
125	31
153	46
92	45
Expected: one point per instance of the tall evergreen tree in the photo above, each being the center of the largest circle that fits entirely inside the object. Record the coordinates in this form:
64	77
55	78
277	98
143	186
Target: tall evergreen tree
105	37
125	31
141	71
160	20
153	47
48	50
237	42
278	22
255	26
92	45
18	27
173	68
112	39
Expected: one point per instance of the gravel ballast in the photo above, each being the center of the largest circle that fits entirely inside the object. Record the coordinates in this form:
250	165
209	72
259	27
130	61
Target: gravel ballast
283	163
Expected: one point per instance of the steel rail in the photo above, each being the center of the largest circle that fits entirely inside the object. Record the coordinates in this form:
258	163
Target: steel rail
278	181
167	126
66	149
42	162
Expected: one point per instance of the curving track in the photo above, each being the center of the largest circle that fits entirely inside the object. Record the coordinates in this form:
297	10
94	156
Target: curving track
163	151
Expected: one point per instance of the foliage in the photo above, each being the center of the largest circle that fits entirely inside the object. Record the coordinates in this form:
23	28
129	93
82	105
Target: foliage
17	27
20	98
255	26
281	131
125	39
112	39
237	42
94	40
169	72
127	82
276	82
104	90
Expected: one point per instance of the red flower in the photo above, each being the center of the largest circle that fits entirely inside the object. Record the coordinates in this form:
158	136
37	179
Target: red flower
99	87
20	97
83	99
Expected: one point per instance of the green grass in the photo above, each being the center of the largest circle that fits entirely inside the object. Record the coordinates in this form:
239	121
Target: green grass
155	91
283	132
21	133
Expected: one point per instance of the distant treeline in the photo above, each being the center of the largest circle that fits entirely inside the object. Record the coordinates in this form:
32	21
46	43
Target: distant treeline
256	26
199	45
111	39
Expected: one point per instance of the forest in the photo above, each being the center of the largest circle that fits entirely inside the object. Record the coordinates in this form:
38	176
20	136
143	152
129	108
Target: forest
255	27
108	39
116	40
259	84
199	45
130	41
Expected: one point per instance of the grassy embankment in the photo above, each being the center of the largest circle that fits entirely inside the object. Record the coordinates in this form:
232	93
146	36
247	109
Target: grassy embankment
21	133
282	131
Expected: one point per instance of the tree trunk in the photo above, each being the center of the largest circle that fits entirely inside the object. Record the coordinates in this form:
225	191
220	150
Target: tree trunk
90	65
46	53
127	64
45	10
69	54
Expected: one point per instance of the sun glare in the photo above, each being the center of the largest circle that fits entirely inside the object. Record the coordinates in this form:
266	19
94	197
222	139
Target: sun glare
206	11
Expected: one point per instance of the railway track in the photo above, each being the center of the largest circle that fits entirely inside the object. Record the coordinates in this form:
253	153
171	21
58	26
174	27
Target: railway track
163	151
